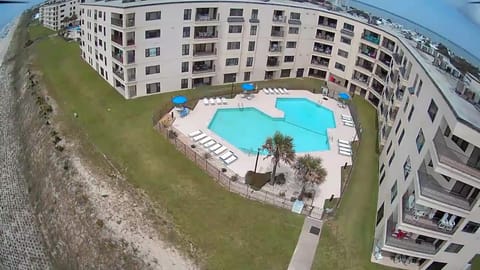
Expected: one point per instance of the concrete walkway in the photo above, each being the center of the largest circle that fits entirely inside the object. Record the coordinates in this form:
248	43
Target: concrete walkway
304	253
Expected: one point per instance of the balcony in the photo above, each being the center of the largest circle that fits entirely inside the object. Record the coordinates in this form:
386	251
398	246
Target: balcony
274	48
324	35
430	188
206	15
130	57
206	35
455	160
368	51
399	94
381	73
327	22
233	19
199	68
319	61
279	19
371	37
118	56
117	19
204	53
117	39
277	33
378	87
119	72
321	48
362	78
364	64
273	62
388	44
347	32
398	58
405	240
385	59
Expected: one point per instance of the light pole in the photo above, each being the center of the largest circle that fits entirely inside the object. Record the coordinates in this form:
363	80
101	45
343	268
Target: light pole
256	160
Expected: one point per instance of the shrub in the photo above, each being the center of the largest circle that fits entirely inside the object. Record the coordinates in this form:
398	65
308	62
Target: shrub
234	178
207	155
172	134
257	180
224	170
280	179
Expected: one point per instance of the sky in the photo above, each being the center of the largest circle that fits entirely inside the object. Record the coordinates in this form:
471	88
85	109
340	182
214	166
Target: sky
456	20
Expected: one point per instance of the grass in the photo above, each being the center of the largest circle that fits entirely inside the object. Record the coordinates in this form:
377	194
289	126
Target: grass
232	232
36	31
347	240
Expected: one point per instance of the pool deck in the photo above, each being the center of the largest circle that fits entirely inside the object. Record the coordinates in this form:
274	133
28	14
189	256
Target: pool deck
200	117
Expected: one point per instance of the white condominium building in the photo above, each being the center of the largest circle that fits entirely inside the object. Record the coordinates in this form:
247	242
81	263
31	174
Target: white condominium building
429	173
54	14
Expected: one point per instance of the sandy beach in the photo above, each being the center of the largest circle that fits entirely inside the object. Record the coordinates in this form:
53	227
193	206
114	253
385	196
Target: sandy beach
5	42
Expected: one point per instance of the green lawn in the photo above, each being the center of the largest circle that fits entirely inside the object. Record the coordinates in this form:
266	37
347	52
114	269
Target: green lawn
36	31
346	241
233	232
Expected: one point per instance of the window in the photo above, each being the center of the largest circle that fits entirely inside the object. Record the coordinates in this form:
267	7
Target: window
294	16
342	53
432	110
410	113
291	44
288	58
382	178
185	49
293	30
285	73
401	136
251	46
380	213
253	30
249	61
152	69
234	45
398	126
454	248
447	131
407	167
184	83
230	78
420	84
152	33
471	227
235	29
406	104
254	14
420	141
186	32
153	88
391	159
231	61
393	192
460	142
389	147
187	14
236	12
339	66
154	15
246	76
345	40
348	27
151	52
184	66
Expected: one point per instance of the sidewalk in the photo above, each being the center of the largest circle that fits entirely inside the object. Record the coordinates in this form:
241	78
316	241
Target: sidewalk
304	253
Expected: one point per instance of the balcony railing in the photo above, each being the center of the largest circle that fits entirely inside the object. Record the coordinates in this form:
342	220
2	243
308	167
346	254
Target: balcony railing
319	63
130	42
276	33
279	19
119	73
118	57
206	35
197	69
369	53
408	243
431	189
205	18
204	53
364	66
424	221
371	38
347	32
452	158
275	49
273	63
118	40
117	21
398	58
325	37
324	50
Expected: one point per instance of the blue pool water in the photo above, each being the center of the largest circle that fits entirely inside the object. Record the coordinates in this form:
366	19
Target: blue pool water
303	120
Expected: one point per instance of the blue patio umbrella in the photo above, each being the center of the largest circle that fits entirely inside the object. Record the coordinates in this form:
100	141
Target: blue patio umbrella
248	87
178	100
344	96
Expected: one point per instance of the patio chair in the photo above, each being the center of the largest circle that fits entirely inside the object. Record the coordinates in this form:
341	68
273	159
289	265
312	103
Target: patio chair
348	124
345	153
343	148
285	90
346	117
204	140
265	91
205	101
226	155
212	101
230	160
281	91
195	133
224	100
345	145
276	91
219	101
343	141
220	150
209	143
271	91
347	121
215	147
199	137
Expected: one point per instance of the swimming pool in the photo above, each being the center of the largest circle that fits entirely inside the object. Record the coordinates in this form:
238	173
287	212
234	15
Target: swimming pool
304	120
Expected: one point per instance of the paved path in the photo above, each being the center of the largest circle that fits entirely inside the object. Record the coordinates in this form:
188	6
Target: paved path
304	253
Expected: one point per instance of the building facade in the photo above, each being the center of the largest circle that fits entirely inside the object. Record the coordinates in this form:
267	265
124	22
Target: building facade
429	178
56	14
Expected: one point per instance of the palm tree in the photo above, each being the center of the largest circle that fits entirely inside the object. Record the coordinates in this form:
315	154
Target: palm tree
309	170
279	148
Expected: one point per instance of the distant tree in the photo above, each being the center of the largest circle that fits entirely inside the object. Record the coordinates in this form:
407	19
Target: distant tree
309	170
279	148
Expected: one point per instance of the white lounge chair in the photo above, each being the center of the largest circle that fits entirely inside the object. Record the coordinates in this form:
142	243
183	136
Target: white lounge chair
204	140
230	160
285	90
266	91
209	143
346	117
205	101
276	91
226	155
212	101
347	121
199	137
219	101
220	150
224	100
348	124
345	153
281	91
344	148
195	133
271	91
344	145
343	141
215	147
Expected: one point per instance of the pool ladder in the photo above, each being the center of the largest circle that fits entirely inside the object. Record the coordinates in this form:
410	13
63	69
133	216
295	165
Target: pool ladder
240	106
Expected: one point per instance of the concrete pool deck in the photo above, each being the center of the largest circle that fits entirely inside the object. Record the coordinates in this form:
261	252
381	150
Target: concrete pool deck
200	118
